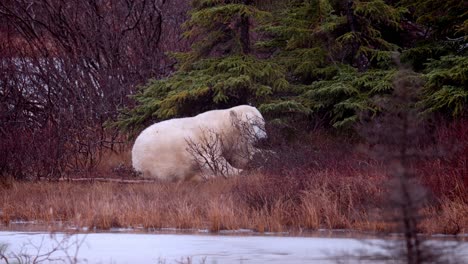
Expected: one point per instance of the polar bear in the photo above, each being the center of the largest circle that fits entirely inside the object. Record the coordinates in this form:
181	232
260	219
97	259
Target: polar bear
191	148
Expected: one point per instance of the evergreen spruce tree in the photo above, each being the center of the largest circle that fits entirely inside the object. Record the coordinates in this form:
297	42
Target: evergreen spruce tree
220	71
309	58
440	54
336	54
446	89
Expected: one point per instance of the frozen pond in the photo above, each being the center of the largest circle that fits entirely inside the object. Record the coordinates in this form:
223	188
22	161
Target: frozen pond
180	248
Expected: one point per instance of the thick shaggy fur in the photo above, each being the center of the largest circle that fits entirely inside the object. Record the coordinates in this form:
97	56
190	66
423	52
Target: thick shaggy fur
173	149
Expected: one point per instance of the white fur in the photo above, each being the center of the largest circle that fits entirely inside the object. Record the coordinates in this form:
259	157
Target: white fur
162	150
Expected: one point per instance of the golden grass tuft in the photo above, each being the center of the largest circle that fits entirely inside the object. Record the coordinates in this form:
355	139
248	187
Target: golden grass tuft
451	217
345	194
327	201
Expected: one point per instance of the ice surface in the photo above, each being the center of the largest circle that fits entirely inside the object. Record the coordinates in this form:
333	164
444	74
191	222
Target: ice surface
173	248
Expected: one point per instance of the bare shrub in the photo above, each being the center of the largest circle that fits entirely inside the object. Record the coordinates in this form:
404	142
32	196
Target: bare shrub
66	68
208	152
399	137
64	249
228	152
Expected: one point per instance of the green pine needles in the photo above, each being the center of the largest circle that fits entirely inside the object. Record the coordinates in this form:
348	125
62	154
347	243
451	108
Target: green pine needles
446	89
309	59
211	83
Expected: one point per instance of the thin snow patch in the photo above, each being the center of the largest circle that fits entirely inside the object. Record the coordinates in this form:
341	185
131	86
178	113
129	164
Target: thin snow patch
122	230
237	231
22	222
172	248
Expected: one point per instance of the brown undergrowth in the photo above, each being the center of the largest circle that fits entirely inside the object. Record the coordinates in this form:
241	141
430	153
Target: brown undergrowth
257	201
217	205
323	183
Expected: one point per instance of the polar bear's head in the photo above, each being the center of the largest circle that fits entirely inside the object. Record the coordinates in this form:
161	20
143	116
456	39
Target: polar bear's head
250	121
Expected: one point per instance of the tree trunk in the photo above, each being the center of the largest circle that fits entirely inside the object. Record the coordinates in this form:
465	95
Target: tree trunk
352	27
245	30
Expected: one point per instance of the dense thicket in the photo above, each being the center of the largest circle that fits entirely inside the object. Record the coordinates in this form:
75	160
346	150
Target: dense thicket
312	60
66	67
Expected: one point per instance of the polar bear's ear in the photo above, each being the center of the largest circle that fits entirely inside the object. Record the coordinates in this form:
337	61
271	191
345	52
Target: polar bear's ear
234	117
233	114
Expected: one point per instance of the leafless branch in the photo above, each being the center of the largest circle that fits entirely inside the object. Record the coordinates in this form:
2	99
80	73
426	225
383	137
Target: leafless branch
66	68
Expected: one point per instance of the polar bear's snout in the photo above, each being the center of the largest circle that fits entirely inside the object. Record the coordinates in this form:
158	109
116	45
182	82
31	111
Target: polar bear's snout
256	125
260	133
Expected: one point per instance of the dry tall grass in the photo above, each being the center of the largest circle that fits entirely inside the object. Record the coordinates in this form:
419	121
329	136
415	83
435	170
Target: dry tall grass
322	184
329	201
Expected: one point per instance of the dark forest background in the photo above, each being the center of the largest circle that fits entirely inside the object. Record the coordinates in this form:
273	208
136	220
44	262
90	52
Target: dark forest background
77	78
